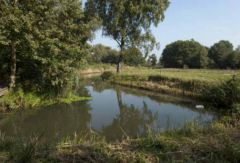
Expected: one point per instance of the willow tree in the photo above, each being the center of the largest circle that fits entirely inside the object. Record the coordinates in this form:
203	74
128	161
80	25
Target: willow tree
128	22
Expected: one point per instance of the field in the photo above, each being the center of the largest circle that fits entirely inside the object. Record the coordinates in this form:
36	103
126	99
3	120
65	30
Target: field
185	74
209	75
188	82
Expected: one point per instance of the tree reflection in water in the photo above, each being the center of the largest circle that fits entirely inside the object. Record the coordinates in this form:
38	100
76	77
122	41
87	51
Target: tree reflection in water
108	114
131	121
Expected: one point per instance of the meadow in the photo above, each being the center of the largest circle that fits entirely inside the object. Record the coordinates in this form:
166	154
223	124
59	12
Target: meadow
185	74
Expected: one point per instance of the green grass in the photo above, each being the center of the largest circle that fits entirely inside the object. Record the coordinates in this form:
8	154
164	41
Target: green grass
184	74
217	142
20	100
96	68
175	81
207	75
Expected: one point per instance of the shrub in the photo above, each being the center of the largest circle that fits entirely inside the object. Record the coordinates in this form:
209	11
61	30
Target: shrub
107	75
224	95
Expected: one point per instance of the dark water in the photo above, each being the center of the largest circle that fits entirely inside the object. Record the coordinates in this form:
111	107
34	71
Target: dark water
114	112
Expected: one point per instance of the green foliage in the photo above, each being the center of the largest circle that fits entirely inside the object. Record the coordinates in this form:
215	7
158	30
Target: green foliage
153	60
18	150
220	52
133	57
180	53
107	75
50	38
233	60
103	54
128	22
19	100
4	64
224	95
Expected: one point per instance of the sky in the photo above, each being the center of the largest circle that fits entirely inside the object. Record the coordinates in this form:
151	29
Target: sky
206	21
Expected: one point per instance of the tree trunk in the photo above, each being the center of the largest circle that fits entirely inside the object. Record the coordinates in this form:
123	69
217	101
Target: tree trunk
119	98
119	66
13	66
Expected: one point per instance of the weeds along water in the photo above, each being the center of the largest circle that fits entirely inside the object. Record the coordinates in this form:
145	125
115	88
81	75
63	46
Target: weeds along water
218	141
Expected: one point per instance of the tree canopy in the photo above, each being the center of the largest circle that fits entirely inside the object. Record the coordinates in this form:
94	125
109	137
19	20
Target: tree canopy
46	37
185	53
103	54
220	53
128	22
153	60
133	57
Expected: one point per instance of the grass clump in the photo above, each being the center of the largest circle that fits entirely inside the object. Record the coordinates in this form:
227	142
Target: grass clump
19	100
18	150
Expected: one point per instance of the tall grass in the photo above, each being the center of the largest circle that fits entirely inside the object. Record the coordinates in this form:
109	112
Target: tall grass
225	95
217	142
19	150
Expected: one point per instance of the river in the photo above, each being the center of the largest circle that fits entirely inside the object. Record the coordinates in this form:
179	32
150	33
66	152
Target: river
114	112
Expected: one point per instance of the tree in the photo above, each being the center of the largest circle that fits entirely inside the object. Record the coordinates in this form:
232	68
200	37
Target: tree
233	60
133	57
100	53
153	59
128	22
184	53
12	29
220	52
46	37
4	67
237	51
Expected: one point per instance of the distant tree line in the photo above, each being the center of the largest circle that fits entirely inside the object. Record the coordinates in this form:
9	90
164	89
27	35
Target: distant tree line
132	56
191	54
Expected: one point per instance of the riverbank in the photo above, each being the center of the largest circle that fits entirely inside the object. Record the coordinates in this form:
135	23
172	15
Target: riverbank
96	69
191	83
217	142
21	100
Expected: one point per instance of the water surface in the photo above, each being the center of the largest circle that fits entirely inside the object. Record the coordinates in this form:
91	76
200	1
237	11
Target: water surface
114	112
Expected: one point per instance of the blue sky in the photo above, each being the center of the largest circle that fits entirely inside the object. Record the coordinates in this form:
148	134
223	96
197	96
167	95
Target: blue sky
206	21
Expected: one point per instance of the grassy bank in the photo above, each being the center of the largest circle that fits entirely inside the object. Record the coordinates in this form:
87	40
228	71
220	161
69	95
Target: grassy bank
20	100
218	142
174	81
96	69
222	95
184	74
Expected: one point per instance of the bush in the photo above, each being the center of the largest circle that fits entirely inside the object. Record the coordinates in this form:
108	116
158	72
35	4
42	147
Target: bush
224	95
107	75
